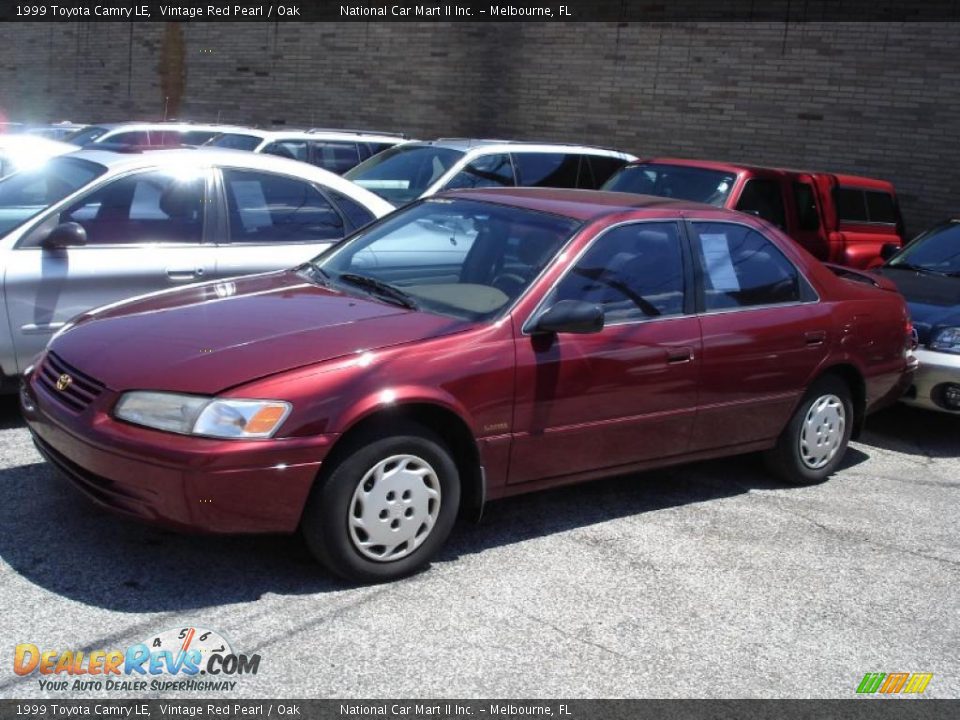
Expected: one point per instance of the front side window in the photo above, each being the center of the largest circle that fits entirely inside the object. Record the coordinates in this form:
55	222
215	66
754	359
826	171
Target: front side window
881	208
86	135
484	171
851	205
461	258
634	272
268	208
26	193
742	268
763	198
148	207
404	172
674	181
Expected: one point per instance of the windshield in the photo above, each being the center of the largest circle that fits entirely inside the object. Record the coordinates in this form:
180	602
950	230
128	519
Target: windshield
85	136
234	141
937	250
25	194
404	172
674	181
461	258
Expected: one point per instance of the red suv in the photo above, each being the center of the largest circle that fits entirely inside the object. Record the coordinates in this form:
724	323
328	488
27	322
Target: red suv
468	347
842	219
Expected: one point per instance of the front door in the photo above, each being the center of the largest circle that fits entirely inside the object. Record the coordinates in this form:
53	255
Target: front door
144	232
622	395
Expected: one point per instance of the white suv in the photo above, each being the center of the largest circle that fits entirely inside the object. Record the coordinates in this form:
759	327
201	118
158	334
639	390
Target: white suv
419	169
147	134
333	150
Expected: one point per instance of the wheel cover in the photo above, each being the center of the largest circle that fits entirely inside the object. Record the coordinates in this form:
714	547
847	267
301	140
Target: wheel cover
394	508
822	431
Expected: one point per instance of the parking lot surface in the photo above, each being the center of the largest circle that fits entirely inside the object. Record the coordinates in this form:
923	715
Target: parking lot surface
710	580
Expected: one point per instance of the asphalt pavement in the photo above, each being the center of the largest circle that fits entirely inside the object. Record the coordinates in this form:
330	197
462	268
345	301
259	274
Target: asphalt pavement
709	580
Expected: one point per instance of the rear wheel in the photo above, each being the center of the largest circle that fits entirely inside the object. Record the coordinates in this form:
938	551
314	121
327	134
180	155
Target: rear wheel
815	440
385	507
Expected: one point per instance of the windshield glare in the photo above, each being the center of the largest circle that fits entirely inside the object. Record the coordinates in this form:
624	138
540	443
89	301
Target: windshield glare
404	172
26	194
234	141
937	250
674	181
461	258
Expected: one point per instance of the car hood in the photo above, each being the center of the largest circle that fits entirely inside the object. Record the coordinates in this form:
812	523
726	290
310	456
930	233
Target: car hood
207	338
934	300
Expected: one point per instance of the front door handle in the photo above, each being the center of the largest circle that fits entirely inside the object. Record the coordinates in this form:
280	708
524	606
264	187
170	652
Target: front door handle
181	274
815	337
678	355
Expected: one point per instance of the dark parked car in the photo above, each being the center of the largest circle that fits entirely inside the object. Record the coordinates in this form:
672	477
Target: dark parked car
366	397
842	219
927	272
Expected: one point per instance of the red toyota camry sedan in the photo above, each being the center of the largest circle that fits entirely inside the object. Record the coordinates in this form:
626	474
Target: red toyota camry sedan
467	347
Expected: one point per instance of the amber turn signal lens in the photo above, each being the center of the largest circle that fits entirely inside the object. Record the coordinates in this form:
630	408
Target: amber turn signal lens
265	419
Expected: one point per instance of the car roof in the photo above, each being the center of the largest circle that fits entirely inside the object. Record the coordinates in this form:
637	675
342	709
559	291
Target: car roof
577	204
356	135
737	168
168	125
469	144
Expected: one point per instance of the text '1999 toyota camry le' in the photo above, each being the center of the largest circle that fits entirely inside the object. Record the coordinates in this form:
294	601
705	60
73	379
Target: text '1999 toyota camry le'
468	347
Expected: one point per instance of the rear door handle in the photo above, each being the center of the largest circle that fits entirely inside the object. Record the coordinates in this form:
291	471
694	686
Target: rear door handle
676	356
815	337
185	273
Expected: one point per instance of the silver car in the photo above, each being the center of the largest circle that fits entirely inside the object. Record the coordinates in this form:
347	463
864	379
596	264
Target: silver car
94	227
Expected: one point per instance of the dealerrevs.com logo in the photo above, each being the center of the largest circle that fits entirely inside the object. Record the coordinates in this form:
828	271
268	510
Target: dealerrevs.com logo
189	658
894	683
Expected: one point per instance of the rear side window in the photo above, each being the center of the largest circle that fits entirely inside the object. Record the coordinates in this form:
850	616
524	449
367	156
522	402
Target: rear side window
134	138
602	168
356	213
484	171
741	268
267	208
337	157
235	141
763	198
542	169
290	149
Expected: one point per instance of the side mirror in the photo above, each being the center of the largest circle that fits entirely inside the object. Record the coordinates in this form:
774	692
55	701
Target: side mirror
570	316
65	235
888	250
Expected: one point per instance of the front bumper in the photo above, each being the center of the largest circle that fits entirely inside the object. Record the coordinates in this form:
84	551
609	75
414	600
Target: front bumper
183	482
936	372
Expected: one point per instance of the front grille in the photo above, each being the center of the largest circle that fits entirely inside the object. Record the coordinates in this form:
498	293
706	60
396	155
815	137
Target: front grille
78	393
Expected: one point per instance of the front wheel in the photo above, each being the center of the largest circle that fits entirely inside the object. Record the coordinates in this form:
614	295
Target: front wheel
815	440
385	507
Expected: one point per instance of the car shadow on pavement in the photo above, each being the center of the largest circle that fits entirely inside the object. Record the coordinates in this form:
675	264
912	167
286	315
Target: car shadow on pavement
909	430
10	412
58	540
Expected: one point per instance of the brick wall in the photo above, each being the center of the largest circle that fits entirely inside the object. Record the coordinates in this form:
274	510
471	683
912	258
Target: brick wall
880	99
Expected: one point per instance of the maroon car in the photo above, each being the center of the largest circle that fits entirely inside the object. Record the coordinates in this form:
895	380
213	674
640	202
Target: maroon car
467	347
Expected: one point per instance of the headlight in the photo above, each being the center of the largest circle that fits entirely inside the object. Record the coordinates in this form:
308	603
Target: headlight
198	415
947	340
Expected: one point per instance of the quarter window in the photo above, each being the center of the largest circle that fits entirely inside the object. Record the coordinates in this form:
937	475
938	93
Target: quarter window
484	171
267	208
764	199
150	207
742	268
634	272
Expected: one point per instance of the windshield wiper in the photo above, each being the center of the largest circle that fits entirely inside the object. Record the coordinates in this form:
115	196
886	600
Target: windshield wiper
916	268
385	290
321	276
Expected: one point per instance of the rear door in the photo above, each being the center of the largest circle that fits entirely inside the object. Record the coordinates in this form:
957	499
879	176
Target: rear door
764	333
146	231
273	222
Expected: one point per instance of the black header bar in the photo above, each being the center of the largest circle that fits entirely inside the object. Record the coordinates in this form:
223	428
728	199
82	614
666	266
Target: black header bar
473	11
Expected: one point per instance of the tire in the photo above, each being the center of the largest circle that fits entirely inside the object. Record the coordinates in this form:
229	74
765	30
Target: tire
815	440
385	506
